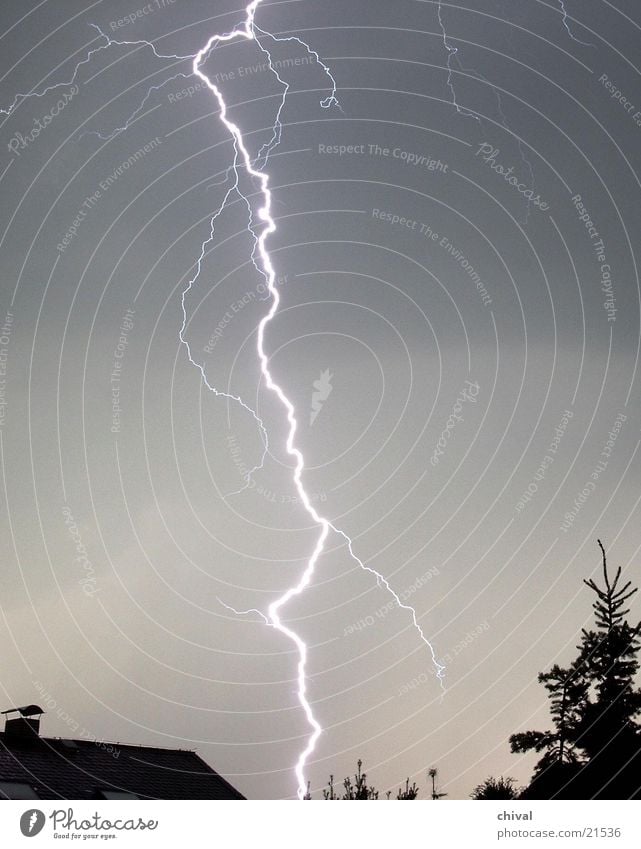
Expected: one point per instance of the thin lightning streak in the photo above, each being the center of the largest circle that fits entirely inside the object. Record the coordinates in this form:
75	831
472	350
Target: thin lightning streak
277	129
331	99
262	261
504	123
184	341
524	158
453	55
18	99
136	112
140	43
567	26
152	89
440	669
246	612
109	42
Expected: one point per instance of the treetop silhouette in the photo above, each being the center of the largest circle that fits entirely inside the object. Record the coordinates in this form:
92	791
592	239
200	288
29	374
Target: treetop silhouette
595	739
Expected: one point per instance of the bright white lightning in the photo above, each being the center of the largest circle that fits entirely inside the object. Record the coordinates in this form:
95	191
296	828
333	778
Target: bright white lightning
268	271
262	261
266	266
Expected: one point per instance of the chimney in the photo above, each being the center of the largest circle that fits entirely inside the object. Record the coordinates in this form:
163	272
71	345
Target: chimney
23	727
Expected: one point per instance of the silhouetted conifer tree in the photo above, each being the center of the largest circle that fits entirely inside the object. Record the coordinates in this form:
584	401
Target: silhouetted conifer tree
594	746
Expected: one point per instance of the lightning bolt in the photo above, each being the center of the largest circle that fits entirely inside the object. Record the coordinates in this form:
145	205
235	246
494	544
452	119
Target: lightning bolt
33	820
261	260
267	269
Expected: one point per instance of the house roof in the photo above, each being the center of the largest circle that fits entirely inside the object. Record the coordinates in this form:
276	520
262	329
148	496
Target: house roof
82	769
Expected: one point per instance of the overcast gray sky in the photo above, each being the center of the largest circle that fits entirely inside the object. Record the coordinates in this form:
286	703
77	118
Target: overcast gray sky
441	299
